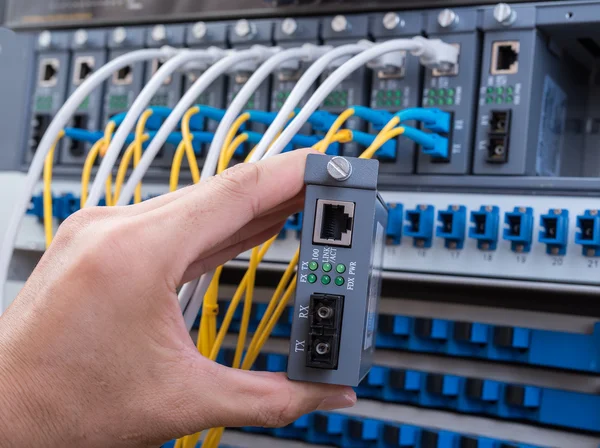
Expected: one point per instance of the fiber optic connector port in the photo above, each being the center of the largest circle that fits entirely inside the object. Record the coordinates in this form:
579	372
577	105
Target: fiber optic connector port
452	229
84	67
519	229
394	224
420	225
156	65
334	221
500	121
555	231
498	148
124	76
49	68
77	147
39	125
325	327
485	228
589	233
505	57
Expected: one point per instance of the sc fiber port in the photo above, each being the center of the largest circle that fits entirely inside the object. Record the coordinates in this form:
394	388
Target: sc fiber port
84	67
124	76
334	221
39	125
394	224
555	231
325	327
589	233
485	228
500	121
77	147
49	68
452	226
505	57
519	230
498	148
420	225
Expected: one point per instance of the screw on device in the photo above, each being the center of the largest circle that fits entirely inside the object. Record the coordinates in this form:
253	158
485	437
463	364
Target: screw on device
339	168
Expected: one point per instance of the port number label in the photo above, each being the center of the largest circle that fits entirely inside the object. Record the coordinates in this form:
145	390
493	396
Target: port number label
315	254
422	253
299	346
557	261
521	259
488	257
454	254
303	314
303	278
592	264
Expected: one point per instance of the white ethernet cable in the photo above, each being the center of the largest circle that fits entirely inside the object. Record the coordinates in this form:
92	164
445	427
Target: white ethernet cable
60	120
302	86
306	53
433	53
258	53
209	56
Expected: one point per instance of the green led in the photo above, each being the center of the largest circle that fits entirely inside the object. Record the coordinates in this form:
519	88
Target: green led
499	100
442	92
489	100
490	90
449	101
440	101
327	267
451	92
509	99
326	279
509	90
313	265
397	103
312	278
339	281
388	103
500	90
398	92
431	102
431	92
344	103
340	268
389	93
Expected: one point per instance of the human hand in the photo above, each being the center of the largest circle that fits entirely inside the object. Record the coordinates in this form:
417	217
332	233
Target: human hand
94	351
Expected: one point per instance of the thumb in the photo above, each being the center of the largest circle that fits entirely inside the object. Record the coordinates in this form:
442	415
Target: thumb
234	398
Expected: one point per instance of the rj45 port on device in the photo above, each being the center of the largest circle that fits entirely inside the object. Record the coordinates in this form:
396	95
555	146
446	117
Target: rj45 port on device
334	221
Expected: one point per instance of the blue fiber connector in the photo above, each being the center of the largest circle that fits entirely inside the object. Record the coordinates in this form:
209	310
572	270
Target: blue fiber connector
432	144
321	120
435	120
420	225
519	230
260	116
485	228
386	152
588	235
453	222
378	118
83	135
395	224
555	231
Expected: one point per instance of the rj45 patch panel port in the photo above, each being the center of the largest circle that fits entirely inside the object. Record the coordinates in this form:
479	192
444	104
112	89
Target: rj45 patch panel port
485	227
519	230
76	147
453	71
84	67
555	231
505	57
334	221
588	235
498	148
124	76
325	327
39	125
420	225
49	69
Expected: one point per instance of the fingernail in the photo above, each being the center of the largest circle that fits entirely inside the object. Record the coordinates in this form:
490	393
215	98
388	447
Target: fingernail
337	402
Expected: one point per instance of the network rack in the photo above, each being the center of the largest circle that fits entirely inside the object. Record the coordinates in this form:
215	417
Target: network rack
508	219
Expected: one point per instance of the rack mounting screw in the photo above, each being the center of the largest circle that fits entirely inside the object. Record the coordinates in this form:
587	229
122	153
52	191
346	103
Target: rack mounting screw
339	168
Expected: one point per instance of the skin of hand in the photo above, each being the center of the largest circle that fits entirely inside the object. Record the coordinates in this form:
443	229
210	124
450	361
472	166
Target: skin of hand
94	351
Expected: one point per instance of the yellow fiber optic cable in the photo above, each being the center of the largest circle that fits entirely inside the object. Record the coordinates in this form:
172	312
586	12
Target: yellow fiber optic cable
380	141
47	195
335	127
99	148
235	127
187	141
241	342
235	144
124	166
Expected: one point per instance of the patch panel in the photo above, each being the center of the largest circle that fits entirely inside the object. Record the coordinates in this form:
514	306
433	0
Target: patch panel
351	431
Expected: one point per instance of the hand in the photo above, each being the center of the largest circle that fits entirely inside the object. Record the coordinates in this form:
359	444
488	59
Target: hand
94	351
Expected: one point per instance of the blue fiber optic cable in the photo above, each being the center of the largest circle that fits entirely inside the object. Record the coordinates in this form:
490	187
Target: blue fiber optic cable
433	145
433	119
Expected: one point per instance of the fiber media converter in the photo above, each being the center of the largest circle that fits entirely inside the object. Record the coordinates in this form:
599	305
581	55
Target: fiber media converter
339	272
